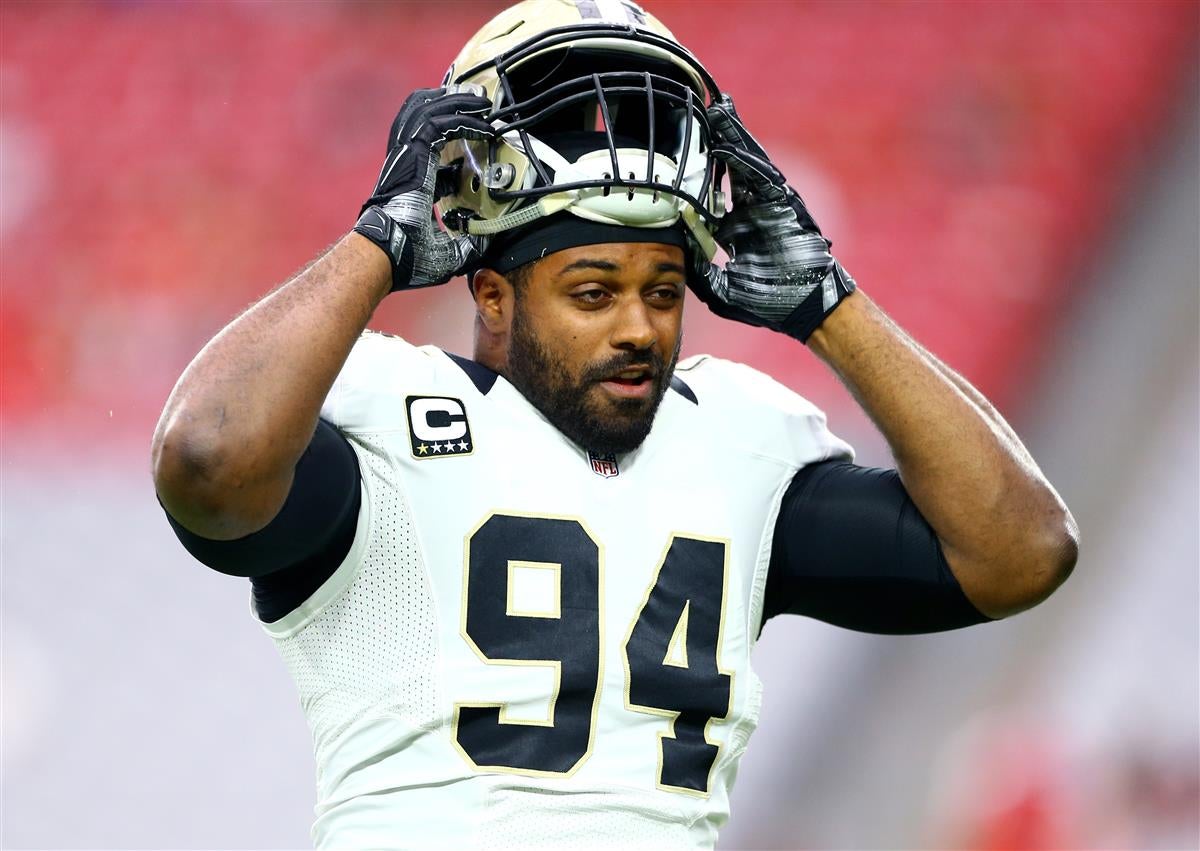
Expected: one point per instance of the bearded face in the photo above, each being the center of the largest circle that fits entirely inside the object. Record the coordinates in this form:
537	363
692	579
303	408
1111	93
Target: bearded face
594	338
577	399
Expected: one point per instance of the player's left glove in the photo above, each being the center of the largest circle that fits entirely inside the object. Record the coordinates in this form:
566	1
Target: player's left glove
780	274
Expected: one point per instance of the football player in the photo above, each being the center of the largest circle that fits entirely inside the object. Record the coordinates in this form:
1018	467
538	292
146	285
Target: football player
518	592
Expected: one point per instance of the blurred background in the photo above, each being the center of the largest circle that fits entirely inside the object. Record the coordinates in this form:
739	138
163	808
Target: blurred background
1016	183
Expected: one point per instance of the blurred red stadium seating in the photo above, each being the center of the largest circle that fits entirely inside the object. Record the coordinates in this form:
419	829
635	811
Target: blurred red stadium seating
166	163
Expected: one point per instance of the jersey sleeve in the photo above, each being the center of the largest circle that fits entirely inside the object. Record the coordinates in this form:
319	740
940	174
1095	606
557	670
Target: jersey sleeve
303	544
294	554
852	549
369	393
847	545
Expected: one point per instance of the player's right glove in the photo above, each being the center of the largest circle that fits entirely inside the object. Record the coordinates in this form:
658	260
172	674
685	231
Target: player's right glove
398	217
780	274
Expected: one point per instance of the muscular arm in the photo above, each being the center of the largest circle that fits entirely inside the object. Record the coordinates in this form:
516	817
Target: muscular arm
1006	534
245	409
227	444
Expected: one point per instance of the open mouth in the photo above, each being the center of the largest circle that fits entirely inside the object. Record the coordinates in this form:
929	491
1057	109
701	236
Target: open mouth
632	377
635	382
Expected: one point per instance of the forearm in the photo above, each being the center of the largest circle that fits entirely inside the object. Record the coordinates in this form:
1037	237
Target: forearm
1006	534
244	410
978	399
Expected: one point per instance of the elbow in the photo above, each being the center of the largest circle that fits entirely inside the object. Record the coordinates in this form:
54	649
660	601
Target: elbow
1068	548
1053	561
203	483
1025	574
188	470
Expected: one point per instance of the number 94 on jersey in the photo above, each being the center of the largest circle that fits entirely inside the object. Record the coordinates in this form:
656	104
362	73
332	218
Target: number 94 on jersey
533	596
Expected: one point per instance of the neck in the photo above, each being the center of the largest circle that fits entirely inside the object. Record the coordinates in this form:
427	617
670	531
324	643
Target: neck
490	349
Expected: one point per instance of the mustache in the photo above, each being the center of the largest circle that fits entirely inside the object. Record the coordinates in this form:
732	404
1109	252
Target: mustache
647	357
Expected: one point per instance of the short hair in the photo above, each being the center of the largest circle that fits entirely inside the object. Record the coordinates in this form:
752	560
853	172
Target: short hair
520	276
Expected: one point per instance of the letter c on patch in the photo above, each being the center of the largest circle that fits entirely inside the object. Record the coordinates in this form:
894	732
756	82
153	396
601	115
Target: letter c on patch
436	419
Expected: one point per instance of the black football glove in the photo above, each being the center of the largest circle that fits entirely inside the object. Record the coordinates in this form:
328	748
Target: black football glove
398	217
780	274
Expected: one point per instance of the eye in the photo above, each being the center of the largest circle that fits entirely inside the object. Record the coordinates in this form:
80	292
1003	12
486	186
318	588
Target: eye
591	296
665	295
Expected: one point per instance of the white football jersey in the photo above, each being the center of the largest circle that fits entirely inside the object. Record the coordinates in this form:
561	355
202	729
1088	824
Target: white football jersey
529	646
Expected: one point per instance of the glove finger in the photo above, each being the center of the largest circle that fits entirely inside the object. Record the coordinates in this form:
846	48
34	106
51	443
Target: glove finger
724	121
421	96
414	164
728	128
441	130
706	286
735	224
411	105
747	164
430	125
425	103
700	281
705	278
463	104
450	124
455	126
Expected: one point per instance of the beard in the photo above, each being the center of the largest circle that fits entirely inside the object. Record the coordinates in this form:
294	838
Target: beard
575	405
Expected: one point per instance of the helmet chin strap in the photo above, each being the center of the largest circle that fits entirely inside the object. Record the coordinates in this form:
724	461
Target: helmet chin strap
700	233
547	205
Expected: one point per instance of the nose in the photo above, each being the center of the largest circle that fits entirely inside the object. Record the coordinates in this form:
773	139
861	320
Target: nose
632	328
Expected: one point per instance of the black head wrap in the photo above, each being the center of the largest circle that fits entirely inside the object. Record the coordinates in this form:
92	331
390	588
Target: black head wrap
564	230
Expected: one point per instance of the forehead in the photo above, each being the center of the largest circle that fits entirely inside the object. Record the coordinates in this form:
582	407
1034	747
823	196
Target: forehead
640	259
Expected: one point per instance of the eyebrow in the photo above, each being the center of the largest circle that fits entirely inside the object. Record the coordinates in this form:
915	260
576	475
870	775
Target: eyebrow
606	266
602	265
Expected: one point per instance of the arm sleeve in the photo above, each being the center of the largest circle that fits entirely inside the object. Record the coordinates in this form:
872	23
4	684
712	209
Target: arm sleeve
851	549
303	545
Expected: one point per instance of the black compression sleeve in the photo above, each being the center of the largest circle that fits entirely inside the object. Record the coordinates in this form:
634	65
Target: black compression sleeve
292	555
851	549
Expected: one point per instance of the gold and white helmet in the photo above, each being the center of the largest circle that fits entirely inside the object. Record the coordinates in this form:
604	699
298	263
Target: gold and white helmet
598	110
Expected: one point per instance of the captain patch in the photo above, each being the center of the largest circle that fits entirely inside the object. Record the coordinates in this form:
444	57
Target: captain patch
438	427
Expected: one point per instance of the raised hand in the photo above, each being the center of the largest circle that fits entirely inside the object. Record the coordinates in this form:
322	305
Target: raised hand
780	274
398	217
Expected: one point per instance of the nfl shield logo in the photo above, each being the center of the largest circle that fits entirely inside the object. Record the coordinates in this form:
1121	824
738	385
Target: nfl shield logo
603	465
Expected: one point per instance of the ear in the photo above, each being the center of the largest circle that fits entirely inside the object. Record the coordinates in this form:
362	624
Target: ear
494	300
